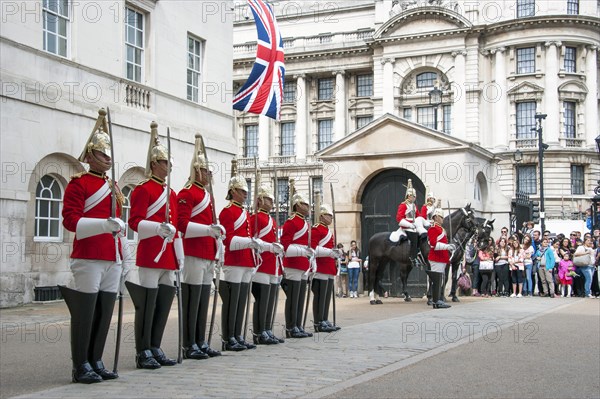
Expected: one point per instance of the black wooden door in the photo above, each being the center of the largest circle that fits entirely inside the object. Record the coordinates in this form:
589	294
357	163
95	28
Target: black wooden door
380	202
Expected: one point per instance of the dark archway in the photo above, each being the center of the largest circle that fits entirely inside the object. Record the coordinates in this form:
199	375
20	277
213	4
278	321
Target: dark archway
380	201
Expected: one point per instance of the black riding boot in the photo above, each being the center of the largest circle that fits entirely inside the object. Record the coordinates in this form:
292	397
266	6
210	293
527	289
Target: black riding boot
259	314
300	312
330	286
413	239
81	306
164	300
239	316
292	291
429	289
230	295
190	296
319	289
437	279
270	309
201	322
144	301
102	317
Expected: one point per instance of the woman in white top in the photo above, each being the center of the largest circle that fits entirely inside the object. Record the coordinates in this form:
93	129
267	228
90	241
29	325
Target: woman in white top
584	258
353	269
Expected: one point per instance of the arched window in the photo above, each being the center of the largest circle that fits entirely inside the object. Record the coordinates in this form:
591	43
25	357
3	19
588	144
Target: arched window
48	207
127	190
426	79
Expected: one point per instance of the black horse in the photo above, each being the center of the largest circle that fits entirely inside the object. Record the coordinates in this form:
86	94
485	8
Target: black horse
382	251
480	229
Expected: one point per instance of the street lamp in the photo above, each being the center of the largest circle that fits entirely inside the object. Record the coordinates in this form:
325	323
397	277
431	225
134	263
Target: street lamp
596	197
435	99
541	147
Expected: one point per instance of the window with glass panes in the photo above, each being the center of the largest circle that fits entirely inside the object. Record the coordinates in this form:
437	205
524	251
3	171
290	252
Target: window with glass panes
426	79
48	204
56	26
194	68
289	92
526	120
525	8
250	141
526	60
426	116
447	121
363	121
325	87
288	132
317	185
325	135
407	114
573	7
364	85
527	179
570	59
134	43
577	180
127	190
570	119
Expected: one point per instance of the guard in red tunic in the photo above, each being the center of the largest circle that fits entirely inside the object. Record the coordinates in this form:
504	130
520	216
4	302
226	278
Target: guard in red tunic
238	265
429	207
323	280
156	256
406	217
94	263
439	257
265	281
202	236
294	239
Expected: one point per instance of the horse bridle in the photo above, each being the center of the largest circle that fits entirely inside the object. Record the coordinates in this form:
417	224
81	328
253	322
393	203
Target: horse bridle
470	231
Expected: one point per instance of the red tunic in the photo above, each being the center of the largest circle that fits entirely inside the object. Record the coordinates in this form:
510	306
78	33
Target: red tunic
405	212
232	213
435	234
291	234
321	236
267	234
188	198
144	195
101	246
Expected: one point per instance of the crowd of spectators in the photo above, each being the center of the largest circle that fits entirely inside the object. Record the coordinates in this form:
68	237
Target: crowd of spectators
529	263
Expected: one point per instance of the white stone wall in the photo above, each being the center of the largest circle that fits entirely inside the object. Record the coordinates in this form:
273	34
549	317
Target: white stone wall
49	105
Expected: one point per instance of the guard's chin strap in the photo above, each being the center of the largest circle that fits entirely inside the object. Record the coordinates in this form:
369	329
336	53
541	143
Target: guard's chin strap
101	162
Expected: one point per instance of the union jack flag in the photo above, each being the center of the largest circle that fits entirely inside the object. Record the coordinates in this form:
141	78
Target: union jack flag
263	91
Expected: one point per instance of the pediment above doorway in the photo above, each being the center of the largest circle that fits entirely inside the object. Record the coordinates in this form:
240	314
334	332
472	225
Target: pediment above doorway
392	136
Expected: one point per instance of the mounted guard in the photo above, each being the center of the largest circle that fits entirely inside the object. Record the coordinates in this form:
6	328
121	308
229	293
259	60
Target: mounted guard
96	256
153	212
409	229
201	238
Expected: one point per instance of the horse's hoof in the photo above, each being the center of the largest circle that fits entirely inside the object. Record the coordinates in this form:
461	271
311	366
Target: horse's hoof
429	302
407	299
378	302
372	302
455	299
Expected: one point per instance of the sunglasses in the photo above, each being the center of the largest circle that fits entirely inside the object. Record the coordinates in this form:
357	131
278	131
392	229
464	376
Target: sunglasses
573	235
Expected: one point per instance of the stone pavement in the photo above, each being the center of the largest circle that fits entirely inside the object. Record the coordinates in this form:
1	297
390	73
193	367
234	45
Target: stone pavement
328	363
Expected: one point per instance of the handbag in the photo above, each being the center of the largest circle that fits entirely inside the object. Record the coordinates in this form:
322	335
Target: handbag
584	260
486	265
464	282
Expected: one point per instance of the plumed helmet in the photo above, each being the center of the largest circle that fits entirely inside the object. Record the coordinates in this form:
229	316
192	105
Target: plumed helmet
325	209
236	182
438	212
409	189
199	160
430	195
265	192
99	139
156	151
299	198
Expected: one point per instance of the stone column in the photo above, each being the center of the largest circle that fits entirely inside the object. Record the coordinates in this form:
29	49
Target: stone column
388	85
591	100
459	107
500	116
301	114
340	106
264	137
552	106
